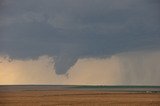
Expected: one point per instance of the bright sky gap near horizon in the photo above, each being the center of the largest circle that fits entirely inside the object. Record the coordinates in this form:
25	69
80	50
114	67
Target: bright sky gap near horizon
80	42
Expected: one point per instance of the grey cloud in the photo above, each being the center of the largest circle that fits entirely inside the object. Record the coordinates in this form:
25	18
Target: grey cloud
73	29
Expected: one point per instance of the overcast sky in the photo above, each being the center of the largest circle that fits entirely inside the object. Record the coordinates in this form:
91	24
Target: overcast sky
69	30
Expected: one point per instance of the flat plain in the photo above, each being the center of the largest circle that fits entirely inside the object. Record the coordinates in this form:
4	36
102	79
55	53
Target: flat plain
78	98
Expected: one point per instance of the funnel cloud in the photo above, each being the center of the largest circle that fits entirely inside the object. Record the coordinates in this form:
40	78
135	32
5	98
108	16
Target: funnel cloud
74	30
132	68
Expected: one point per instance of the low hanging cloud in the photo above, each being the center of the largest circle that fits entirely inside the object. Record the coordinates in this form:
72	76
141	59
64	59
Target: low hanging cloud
85	42
132	68
73	30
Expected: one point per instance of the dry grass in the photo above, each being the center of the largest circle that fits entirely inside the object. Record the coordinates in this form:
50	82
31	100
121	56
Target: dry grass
77	98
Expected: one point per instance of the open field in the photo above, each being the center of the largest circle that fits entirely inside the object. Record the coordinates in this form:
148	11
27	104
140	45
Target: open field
77	98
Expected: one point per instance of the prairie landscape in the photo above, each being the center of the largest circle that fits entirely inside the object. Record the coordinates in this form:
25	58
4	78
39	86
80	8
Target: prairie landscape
79	52
77	97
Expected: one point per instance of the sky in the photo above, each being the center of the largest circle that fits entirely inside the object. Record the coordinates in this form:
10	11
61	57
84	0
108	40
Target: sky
78	42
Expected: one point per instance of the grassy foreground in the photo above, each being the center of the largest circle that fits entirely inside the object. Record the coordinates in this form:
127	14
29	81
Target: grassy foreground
78	98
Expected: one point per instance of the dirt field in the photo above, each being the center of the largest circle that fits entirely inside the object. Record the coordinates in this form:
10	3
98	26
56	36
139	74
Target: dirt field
77	98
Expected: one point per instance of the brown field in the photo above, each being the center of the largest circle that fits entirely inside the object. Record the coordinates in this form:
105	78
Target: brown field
77	98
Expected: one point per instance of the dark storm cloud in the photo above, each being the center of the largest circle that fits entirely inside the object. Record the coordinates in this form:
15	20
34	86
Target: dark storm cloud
73	29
